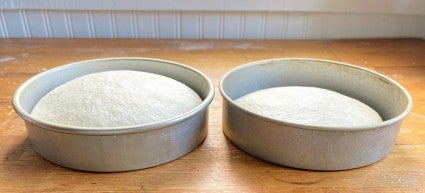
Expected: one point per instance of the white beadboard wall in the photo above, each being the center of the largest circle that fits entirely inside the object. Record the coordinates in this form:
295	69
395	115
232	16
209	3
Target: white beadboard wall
23	19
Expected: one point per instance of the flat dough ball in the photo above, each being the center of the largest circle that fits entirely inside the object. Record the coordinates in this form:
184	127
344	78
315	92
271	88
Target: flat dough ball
309	106
116	99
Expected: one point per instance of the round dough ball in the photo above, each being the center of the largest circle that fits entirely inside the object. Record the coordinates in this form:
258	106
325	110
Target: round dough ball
309	106
116	99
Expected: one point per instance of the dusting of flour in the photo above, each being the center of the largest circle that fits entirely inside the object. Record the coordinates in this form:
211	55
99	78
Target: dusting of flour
116	99
309	106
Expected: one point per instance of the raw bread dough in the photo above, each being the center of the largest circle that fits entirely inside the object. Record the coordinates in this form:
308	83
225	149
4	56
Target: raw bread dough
116	99
309	106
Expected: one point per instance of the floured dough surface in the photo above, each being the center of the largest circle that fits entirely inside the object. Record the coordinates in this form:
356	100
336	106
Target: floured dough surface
116	99
309	106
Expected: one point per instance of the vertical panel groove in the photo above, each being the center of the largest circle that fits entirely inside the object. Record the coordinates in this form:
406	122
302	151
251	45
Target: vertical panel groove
24	22
178	18
406	27
284	30
113	25
3	34
242	26
4	26
134	24
306	21
220	25
68	24
12	3
46	23
156	24
90	24
386	25
325	26
199	25
263	25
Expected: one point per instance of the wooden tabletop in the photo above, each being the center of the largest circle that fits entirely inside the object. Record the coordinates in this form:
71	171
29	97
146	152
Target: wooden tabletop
216	165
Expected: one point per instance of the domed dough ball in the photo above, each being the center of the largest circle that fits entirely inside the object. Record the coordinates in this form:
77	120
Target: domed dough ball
116	99
309	106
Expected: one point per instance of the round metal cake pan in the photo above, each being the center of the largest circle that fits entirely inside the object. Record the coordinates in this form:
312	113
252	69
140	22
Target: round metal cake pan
308	146
117	148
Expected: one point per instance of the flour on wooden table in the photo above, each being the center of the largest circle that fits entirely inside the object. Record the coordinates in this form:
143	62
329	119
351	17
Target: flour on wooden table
309	106
116	99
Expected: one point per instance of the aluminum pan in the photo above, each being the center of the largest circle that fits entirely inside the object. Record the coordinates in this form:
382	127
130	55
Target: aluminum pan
308	146
115	149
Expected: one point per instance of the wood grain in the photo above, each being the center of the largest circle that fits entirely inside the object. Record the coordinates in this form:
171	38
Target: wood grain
216	165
